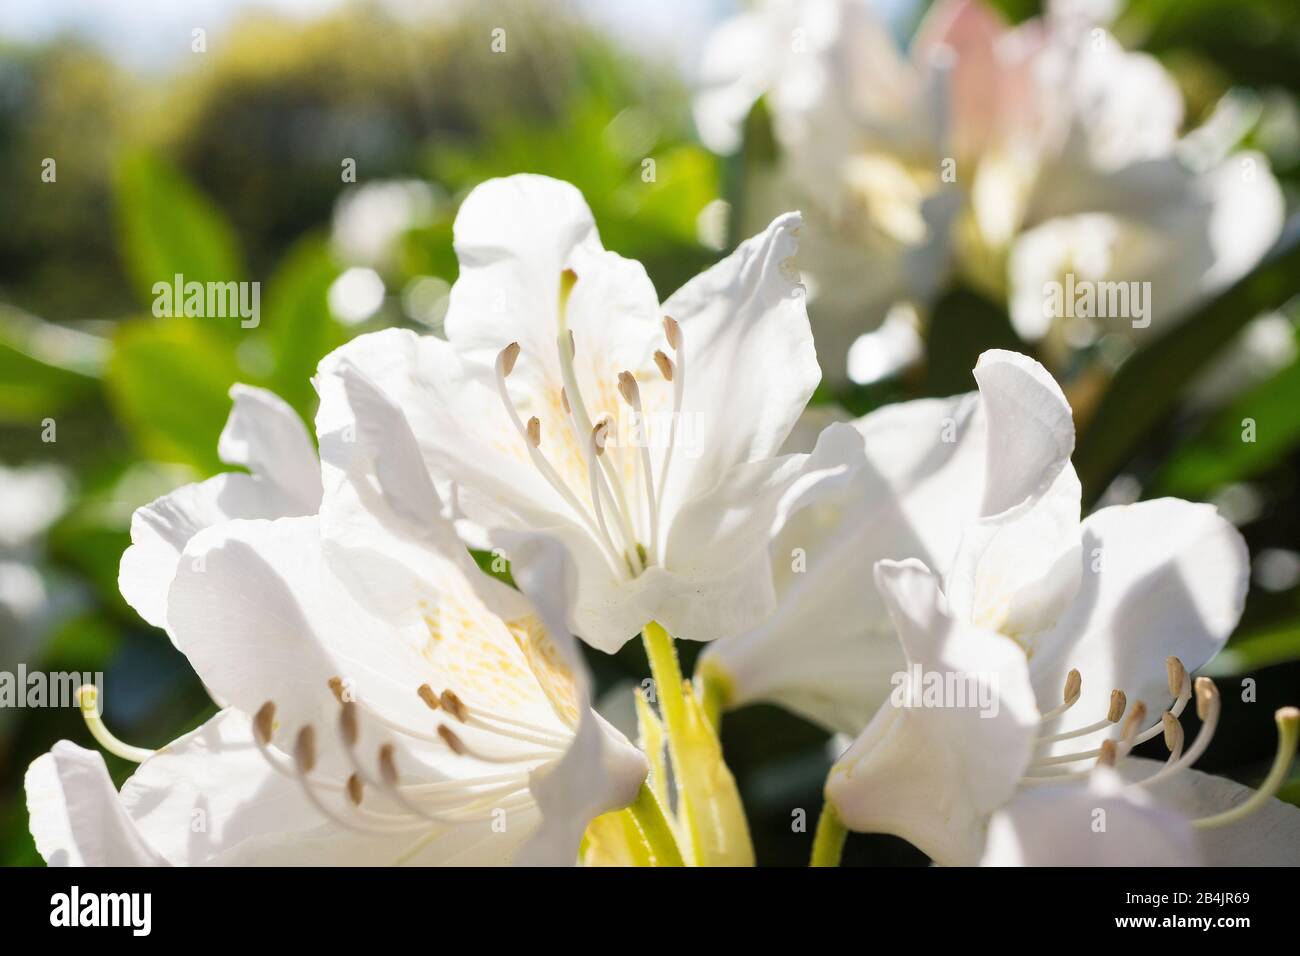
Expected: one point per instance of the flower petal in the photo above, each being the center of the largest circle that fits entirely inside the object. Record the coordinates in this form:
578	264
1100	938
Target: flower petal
751	365
932	774
719	548
1030	425
514	237
76	818
1098	823
1160	578
265	435
913	476
1268	837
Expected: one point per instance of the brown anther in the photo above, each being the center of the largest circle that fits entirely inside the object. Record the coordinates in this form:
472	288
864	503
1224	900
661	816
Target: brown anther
450	738
1108	754
388	764
1177	675
428	696
355	790
1133	725
1173	731
672	332
337	688
264	722
1206	696
1073	685
598	435
628	388
535	432
564	400
454	705
573	345
509	355
348	725
304	749
1118	703
665	365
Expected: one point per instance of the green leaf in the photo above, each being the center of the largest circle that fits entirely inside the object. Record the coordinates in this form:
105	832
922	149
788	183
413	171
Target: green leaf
963	324
1250	652
169	382
1150	384
1220	455
169	228
298	321
44	368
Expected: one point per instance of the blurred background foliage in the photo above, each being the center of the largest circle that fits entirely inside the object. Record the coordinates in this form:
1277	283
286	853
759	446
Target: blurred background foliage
231	166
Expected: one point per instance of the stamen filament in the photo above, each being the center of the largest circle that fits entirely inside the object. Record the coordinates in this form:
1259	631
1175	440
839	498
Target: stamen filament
1207	708
564	345
1288	734
673	333
505	361
88	698
631	392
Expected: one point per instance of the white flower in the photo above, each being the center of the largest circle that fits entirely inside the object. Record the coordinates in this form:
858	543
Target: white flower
966	780
920	472
855	121
264	435
1020	154
387	701
1116	609
1106	821
566	401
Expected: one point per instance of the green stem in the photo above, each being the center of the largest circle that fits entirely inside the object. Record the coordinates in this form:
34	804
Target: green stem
828	842
652	823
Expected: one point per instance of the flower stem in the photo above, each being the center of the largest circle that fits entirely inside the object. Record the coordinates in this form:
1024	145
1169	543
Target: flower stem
652	823
828	842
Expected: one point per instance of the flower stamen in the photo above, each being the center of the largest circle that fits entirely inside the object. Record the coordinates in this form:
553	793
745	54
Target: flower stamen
88	699
1288	733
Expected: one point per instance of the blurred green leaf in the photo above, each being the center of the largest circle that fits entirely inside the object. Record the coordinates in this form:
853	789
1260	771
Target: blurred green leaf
44	368
169	228
169	381
1219	455
1251	652
962	325
1150	384
297	318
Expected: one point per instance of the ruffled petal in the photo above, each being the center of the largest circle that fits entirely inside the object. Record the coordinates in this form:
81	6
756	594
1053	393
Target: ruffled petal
750	362
932	772
76	818
1160	578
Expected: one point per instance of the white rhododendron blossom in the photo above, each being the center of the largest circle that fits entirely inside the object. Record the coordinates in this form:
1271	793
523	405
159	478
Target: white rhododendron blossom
918	475
1086	632
1031	159
567	401
264	435
387	701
